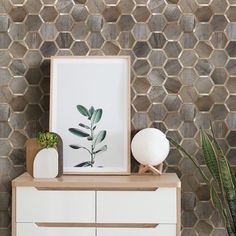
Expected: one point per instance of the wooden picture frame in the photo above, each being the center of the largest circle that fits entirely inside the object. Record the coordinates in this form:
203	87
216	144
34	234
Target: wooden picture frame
90	110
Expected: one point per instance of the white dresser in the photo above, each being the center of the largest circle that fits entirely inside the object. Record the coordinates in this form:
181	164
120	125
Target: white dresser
96	206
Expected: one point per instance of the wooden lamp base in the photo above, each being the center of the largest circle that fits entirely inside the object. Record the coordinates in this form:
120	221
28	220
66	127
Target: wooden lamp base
156	170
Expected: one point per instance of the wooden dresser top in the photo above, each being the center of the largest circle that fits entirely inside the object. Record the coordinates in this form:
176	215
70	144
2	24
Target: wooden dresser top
135	182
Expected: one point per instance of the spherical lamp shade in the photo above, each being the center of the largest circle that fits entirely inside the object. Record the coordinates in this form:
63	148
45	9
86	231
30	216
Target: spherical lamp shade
150	147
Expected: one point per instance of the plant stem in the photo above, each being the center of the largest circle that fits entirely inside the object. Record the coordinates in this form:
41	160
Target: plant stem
92	146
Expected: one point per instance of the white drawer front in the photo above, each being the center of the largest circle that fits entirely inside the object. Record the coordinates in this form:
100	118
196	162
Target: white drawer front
31	229
160	230
137	206
34	205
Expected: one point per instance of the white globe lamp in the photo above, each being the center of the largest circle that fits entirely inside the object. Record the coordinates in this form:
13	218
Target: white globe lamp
150	147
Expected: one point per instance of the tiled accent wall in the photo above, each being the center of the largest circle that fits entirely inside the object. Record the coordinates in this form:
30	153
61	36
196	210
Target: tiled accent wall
183	75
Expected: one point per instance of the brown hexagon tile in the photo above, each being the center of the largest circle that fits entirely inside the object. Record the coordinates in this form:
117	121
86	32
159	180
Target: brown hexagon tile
18	14
231	49
33	40
190	184
111	13
157	112
141	103
48	31
172	85
17	67
48	49
219	232
172	31
5	129
18	85
157	22
188	40
64	6
187	23
204	85
33	94
17	49
33	22
79	48
172	13
231	157
5	76
172	120
156	77
64	23
45	85
204	210
33	112
18	139
141	49
141	85
157	94
219	40
79	13
219	128
203	49
157	40
157	58
95	40
126	22
187	6
174	156
231	138
219	6
203	31
141	67
32	6
231	102
203	14
125	6
186	166
203	193
110	31
172	103
5	112
33	75
33	58
216	220
95	22
17	31
80	31
203	67
5	58
188	58
188	112
188	201
188	94
18	103
230	13
172	49
219	76
48	13
141	31
64	40
202	120
189	219
32	128
231	85
5	40
172	67
5	167
219	112
188	129
5	147
231	31
4	23
219	94
156	6
218	58
110	48
141	13
126	40
18	156
219	23
204	103
141	121
231	66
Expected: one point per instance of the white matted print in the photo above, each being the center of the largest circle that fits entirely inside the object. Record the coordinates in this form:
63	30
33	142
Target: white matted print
90	110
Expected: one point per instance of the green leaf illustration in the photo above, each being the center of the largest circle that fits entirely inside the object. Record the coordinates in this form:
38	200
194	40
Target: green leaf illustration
75	146
84	126
100	137
83	110
102	149
84	164
91	110
78	132
96	117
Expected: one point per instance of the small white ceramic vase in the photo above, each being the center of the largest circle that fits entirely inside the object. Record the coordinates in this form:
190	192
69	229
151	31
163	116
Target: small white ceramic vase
46	163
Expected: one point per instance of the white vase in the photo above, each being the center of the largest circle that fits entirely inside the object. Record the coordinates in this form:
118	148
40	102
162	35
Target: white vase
46	163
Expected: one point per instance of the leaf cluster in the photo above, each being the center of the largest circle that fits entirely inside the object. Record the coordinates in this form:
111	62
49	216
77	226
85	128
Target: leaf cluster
47	139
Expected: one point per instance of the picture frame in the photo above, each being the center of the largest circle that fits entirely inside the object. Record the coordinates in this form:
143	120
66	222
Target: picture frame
90	110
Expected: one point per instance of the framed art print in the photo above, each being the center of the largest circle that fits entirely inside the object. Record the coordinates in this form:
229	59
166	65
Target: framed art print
90	110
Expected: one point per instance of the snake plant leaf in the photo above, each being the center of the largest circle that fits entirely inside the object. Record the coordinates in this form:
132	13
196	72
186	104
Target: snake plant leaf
102	149
84	164
91	110
100	137
78	132
96	117
75	146
83	110
84	126
209	155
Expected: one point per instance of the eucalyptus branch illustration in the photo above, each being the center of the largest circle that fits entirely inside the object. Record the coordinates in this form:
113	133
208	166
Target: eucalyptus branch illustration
94	116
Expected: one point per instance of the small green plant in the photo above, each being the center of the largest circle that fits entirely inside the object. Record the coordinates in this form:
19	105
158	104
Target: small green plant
47	139
222	183
89	132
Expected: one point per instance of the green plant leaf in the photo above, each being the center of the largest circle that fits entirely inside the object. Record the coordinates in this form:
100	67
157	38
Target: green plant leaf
78	132
75	146
102	149
84	164
89	138
100	137
96	117
83	110
84	126
91	110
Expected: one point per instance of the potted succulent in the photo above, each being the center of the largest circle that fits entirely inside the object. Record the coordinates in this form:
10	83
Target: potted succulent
46	160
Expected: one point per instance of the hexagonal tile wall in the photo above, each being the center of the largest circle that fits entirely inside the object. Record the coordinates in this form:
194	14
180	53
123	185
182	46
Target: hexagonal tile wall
183	75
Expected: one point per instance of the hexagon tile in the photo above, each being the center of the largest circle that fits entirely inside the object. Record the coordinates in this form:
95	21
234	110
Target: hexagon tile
183	55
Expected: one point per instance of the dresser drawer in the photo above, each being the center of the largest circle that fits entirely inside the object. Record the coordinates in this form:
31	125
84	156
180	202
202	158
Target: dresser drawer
31	229
160	230
33	205
157	206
